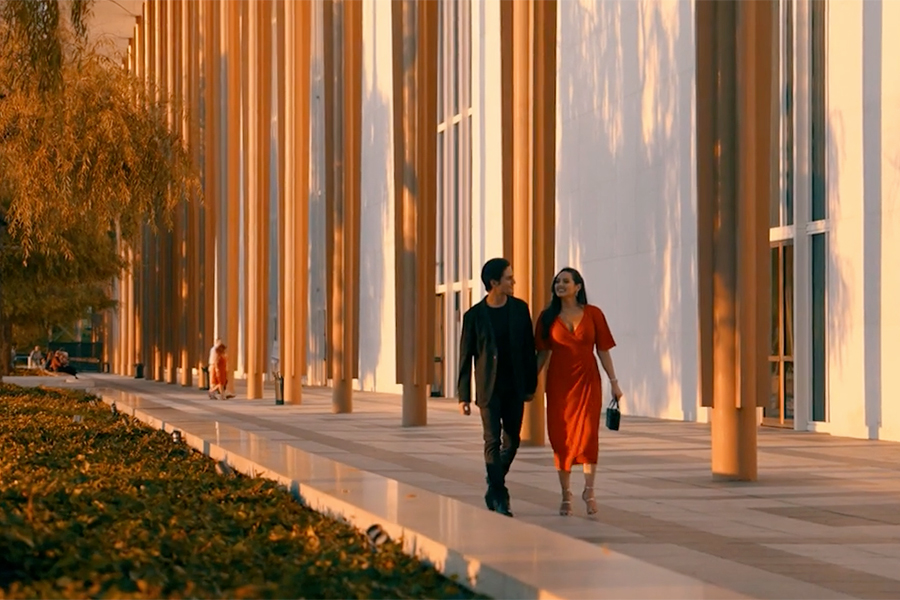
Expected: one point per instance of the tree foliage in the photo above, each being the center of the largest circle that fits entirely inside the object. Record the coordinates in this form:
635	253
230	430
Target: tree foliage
91	140
34	37
85	151
48	290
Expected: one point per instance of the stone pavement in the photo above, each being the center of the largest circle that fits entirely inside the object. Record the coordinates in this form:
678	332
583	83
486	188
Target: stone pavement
823	521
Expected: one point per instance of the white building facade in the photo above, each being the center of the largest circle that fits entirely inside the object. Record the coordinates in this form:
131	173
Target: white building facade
626	200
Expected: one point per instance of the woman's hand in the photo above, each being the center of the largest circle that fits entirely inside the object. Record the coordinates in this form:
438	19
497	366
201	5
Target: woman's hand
616	390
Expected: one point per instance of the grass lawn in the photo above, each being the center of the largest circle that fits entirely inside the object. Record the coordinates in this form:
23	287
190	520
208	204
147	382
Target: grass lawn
108	507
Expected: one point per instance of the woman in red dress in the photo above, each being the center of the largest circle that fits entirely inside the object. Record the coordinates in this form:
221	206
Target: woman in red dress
219	375
570	330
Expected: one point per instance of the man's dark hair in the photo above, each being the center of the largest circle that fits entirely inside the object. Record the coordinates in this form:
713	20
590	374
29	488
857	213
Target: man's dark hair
493	271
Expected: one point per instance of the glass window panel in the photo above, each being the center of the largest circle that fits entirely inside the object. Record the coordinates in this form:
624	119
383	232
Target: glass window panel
774	349
467	12
455	37
772	409
788	300
788	390
775	198
468	196
442	67
788	45
818	327
455	198
817	109
437	387
439	251
457	313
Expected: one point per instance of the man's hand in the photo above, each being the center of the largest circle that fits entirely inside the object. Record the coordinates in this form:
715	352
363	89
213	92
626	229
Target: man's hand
465	408
529	397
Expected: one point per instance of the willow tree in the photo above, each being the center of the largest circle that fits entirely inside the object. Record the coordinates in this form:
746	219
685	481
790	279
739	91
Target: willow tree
86	160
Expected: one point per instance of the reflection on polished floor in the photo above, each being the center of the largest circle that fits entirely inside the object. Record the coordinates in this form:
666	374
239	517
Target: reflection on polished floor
822	522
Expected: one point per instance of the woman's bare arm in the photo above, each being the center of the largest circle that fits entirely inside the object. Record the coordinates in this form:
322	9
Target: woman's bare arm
542	357
607	362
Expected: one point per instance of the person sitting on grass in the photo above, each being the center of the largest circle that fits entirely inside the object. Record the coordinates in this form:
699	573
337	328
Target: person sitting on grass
59	363
36	358
52	361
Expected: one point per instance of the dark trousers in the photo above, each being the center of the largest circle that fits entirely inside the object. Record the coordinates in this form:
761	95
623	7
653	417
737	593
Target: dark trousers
501	420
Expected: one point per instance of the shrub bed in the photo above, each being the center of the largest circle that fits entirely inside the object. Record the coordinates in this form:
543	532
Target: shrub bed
103	506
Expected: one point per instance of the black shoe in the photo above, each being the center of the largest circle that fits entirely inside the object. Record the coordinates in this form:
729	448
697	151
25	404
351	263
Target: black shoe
489	501
502	507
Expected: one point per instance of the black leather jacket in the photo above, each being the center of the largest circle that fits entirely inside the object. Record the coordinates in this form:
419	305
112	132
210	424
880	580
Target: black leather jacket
477	343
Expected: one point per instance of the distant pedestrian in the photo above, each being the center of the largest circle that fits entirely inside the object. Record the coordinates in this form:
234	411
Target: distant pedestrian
211	363
212	355
219	374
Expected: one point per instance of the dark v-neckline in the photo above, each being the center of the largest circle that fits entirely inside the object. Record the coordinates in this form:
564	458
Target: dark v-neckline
573	328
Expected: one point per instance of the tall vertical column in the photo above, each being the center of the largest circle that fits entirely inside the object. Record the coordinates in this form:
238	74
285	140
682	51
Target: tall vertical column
330	58
139	258
213	166
197	253
528	58
127	357
260	66
106	354
298	17
736	50
233	111
151	289
352	131
112	337
127	276
343	56
246	149
281	90
128	354
188	243
116	336
415	69
170	271
160	267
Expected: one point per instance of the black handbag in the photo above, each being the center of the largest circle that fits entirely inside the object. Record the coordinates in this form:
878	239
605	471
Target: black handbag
613	416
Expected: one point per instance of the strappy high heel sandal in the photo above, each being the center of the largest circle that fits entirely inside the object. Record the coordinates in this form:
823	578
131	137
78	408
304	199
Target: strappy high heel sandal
565	507
590	502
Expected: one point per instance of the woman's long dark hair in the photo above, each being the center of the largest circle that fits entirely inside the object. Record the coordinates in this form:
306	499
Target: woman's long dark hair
552	311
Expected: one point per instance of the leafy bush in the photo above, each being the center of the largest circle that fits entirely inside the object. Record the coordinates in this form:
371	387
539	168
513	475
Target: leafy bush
107	507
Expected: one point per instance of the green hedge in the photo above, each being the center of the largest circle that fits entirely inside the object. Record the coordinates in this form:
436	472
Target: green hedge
111	508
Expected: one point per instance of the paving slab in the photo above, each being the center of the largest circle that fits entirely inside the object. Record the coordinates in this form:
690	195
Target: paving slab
821	507
492	554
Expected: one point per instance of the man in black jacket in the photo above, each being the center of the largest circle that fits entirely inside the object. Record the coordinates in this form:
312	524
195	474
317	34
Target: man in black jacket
497	334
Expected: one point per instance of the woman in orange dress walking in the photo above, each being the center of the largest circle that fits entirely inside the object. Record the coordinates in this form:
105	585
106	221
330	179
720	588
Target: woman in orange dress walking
570	330
219	375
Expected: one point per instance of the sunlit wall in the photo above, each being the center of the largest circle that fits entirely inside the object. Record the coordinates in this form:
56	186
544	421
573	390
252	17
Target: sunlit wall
626	188
862	183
